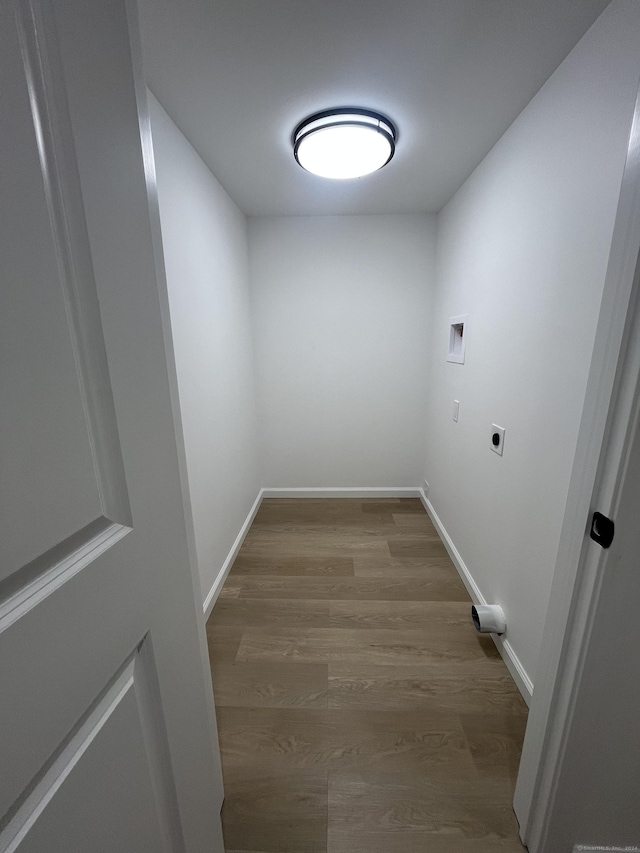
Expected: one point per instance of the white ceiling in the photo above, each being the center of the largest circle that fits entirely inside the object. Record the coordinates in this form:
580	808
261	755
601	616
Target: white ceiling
238	75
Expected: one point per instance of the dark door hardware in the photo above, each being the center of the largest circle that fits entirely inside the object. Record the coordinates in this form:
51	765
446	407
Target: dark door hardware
602	529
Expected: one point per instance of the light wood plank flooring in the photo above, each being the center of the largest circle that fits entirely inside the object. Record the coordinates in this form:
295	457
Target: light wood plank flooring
358	709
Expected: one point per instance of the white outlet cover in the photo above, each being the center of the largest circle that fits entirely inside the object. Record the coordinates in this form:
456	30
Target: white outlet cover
497	448
456	410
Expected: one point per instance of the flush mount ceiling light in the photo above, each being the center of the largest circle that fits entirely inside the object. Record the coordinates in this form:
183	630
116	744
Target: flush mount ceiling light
344	143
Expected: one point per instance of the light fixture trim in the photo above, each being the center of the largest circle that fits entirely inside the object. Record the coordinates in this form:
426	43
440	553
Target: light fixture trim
345	117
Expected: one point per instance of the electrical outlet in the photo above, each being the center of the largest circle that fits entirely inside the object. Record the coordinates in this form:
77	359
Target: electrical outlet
497	439
456	410
425	488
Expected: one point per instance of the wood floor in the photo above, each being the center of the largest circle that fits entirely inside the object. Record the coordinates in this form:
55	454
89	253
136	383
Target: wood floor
358	709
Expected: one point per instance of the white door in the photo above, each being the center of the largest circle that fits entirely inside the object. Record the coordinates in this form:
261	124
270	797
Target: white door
107	731
596	794
580	753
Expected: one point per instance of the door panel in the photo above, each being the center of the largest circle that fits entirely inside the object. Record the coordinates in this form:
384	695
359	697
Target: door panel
62	478
118	746
107	730
42	411
67	648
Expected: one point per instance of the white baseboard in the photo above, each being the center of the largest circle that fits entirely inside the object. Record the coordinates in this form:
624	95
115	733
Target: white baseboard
517	671
344	492
213	593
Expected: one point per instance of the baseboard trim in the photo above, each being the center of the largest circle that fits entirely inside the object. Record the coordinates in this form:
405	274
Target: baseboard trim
213	593
517	671
344	492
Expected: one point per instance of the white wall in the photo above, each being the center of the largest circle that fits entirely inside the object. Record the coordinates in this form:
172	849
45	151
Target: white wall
206	256
523	248
341	307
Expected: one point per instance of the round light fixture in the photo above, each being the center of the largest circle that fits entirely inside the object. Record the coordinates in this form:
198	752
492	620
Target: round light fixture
344	143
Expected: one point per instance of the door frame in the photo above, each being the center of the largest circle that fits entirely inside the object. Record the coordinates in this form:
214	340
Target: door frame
612	396
148	157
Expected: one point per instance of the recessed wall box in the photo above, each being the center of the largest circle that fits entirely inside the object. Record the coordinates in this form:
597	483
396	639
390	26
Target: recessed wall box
457	333
497	439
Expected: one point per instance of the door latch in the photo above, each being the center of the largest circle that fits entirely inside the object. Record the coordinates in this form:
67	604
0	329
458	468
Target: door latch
602	529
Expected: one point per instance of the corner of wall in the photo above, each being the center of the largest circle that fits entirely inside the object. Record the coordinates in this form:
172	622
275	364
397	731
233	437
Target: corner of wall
212	596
